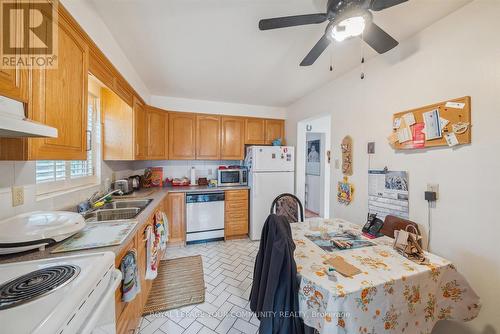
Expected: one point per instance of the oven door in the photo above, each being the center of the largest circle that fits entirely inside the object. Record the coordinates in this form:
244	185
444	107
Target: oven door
102	319
229	177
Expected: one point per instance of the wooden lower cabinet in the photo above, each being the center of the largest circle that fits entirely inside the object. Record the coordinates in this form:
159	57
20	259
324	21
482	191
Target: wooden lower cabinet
128	315
175	209
236	214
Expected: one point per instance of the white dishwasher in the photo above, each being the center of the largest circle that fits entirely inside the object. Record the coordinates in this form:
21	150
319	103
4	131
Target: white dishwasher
204	217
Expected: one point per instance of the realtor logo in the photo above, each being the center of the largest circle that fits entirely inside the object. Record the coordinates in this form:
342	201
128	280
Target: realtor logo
29	34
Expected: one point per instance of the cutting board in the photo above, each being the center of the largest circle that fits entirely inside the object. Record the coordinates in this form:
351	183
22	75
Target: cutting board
96	235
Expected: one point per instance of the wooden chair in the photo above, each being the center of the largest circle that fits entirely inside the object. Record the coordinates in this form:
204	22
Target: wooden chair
289	206
393	223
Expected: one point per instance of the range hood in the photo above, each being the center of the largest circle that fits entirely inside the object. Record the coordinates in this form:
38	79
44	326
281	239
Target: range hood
13	123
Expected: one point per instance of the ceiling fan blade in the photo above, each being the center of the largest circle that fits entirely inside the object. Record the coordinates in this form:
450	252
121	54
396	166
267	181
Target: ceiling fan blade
378	5
316	51
291	21
378	39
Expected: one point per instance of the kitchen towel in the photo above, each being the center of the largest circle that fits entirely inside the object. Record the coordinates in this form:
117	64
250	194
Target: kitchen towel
131	283
152	239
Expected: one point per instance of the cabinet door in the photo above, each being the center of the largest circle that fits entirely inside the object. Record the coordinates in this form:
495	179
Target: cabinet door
255	131
140	131
175	209
275	129
232	138
14	81
181	136
207	137
157	133
117	129
236	214
59	99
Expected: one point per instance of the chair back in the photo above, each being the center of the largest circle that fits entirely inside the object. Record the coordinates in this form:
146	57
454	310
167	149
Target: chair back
393	223
289	206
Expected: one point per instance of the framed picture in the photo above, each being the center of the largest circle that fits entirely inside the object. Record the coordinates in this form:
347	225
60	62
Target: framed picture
313	158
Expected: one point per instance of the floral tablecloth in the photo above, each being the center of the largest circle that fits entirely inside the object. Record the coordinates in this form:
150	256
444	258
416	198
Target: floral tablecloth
391	295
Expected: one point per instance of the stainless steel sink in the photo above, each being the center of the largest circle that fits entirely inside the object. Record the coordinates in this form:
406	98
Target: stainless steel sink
118	210
141	204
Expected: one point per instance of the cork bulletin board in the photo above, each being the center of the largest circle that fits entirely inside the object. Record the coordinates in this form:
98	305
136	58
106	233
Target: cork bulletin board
446	123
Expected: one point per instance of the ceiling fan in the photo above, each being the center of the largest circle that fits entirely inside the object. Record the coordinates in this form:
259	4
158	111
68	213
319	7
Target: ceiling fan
347	18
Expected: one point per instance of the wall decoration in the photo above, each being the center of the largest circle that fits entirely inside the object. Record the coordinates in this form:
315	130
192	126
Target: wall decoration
345	191
313	158
388	193
442	124
346	148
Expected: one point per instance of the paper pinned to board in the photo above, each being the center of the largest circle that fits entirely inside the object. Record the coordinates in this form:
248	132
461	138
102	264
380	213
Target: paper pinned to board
455	105
409	119
396	123
432	125
451	139
444	122
404	135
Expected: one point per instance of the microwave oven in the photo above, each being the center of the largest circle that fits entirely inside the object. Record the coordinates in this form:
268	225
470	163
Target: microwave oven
232	176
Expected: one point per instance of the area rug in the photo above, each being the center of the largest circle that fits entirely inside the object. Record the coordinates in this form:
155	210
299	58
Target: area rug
179	283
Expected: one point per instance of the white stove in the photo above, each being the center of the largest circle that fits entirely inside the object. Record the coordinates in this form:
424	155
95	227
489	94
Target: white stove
71	294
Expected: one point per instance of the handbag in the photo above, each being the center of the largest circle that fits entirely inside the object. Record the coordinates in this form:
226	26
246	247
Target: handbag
407	244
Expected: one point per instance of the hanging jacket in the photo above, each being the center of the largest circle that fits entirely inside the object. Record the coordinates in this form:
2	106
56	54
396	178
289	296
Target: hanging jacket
274	294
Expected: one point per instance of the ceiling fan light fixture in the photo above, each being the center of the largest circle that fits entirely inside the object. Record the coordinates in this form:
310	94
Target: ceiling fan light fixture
353	26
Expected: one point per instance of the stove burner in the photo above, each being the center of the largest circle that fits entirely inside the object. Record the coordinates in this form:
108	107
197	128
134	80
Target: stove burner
36	284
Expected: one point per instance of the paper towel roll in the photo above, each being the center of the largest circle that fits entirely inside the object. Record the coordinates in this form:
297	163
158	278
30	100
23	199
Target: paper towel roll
193	176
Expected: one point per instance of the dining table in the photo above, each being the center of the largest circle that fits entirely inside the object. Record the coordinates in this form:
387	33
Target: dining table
390	294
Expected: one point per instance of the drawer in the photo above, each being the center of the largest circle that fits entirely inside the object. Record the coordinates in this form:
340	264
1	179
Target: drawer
237	227
236	195
236	215
236	206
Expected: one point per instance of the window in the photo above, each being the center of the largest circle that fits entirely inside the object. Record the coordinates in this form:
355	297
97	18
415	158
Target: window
59	175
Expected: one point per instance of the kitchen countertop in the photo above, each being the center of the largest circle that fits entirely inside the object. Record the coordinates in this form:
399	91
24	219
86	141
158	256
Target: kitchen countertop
205	189
157	195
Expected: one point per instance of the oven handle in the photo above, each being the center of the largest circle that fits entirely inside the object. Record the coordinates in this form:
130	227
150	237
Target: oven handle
116	278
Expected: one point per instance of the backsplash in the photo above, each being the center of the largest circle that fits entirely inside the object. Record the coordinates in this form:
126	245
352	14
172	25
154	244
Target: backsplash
180	168
22	173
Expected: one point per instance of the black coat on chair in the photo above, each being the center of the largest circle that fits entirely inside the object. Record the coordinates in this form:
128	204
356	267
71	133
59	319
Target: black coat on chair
274	295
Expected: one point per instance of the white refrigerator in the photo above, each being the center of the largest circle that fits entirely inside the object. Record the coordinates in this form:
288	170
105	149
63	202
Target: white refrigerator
271	173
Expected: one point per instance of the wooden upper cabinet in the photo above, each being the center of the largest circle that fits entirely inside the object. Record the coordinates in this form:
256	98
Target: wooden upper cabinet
207	137
181	136
232	138
275	129
255	131
59	99
117	129
140	131
157	126
14	82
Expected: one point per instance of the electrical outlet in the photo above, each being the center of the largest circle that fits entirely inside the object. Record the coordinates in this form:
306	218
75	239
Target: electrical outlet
434	187
17	196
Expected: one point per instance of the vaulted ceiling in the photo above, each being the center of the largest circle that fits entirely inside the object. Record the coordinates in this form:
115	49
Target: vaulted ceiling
213	49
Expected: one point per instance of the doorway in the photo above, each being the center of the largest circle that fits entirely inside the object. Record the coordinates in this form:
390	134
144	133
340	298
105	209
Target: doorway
313	165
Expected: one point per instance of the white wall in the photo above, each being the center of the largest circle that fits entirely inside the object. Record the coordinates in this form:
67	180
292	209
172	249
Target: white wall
214	107
457	56
85	14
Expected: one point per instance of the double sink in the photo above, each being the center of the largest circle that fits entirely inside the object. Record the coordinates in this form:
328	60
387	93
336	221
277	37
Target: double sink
117	210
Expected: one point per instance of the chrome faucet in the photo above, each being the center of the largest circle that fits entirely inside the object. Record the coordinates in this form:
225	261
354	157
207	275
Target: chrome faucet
92	202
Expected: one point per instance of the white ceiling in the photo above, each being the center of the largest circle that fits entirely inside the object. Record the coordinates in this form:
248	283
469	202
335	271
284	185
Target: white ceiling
213	50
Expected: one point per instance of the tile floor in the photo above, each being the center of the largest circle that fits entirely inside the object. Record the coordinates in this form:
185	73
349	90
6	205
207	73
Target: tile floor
228	269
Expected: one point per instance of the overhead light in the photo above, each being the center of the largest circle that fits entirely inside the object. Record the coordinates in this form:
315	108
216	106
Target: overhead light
353	26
